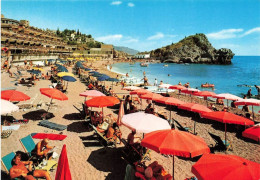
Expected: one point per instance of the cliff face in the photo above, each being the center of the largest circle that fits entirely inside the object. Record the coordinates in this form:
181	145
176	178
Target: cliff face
193	49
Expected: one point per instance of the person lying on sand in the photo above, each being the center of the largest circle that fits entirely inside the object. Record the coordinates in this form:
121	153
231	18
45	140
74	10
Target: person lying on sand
19	170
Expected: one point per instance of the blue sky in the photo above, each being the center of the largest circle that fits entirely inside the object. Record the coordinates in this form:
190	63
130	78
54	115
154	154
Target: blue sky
148	24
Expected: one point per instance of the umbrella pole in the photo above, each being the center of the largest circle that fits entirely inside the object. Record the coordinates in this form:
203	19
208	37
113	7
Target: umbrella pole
226	134
253	112
173	167
102	114
194	127
227	102
49	105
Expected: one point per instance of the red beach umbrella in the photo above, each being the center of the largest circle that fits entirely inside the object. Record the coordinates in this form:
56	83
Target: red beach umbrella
178	87
140	91
252	133
151	96
63	169
226	117
102	101
176	143
204	93
54	93
220	166
162	100
13	95
189	90
194	107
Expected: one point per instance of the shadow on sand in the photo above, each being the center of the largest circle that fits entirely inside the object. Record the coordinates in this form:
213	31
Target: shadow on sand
72	116
37	115
109	160
78	127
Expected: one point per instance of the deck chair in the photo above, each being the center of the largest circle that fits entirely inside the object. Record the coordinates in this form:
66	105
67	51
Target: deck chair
96	118
82	112
220	144
181	128
28	144
131	154
7	162
103	139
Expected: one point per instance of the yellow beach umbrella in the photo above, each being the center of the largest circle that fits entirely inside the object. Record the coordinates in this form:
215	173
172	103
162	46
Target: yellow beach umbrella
36	68
61	74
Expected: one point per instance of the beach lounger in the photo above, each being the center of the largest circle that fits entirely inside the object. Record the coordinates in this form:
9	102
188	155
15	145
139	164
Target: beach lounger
82	112
103	140
7	161
52	125
181	128
131	154
220	144
28	144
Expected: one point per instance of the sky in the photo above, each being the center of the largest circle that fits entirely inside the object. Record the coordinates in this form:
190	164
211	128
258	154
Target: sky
145	25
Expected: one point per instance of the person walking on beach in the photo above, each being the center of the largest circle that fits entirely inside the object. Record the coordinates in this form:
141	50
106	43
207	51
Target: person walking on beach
155	82
127	75
249	94
145	81
144	73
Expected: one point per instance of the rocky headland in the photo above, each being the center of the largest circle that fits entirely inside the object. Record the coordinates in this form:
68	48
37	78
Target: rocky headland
193	49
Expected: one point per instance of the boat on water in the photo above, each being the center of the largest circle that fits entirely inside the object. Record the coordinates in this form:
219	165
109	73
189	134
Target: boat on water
207	85
166	65
143	64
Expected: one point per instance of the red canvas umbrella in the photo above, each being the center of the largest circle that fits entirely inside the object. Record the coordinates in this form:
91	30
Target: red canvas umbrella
189	90
226	117
63	169
204	93
176	143
220	166
53	94
151	96
13	95
178	87
139	92
252	133
102	101
194	107
162	100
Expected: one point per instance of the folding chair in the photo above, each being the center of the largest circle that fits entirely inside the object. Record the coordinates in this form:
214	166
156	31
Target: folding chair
220	144
28	144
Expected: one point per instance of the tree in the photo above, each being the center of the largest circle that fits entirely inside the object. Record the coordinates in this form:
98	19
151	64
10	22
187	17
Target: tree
58	32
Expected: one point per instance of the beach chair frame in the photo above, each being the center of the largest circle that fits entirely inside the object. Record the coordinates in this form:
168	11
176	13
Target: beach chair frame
220	144
102	137
4	159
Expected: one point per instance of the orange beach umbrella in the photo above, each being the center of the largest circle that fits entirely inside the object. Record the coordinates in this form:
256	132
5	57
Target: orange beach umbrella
220	166
176	143
194	107
13	95
252	133
226	117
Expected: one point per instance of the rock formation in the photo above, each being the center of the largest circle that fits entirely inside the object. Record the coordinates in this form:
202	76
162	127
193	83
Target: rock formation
193	49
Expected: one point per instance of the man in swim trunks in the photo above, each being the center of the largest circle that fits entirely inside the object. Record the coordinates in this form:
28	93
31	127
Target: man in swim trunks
42	148
19	170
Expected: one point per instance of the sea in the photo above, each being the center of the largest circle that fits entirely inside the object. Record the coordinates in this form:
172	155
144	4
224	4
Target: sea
236	78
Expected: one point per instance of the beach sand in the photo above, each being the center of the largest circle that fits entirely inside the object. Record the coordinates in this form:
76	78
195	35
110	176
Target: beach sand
87	158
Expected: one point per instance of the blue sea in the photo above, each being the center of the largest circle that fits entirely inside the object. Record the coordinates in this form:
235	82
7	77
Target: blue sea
237	78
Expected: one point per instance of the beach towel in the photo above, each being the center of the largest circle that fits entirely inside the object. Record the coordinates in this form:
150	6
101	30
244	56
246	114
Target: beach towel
49	136
13	127
52	125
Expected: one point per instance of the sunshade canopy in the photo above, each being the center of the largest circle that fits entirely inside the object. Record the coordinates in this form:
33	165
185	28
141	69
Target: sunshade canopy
13	95
8	107
175	142
53	93
144	123
102	101
220	166
194	107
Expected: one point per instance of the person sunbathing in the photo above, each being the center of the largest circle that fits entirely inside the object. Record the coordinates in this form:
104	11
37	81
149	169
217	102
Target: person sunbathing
42	148
114	132
19	170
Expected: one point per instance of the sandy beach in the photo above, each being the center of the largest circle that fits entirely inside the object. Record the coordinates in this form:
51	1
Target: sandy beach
88	159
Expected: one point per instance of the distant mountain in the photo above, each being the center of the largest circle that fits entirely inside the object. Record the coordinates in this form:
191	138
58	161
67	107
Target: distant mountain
126	50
